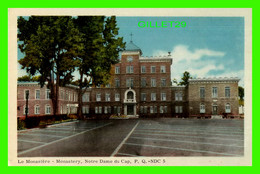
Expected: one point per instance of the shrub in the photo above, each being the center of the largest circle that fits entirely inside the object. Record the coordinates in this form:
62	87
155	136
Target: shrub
20	124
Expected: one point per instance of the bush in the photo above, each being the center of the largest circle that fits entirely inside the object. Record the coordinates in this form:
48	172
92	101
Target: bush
20	124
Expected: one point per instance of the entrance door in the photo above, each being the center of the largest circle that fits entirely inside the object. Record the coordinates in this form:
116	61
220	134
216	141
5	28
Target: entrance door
130	109
215	110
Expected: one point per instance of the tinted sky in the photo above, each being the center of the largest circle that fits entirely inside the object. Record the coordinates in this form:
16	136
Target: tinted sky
206	47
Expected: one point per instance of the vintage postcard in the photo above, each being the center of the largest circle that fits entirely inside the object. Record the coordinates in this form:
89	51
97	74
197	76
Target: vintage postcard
130	87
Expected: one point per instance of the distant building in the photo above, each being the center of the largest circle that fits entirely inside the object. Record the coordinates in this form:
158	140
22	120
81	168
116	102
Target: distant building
213	96
40	101
139	87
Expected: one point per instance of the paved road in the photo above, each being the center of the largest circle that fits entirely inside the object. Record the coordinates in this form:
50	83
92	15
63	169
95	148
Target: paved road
140	137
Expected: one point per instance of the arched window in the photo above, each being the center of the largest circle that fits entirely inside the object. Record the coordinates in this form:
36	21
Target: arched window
36	109
130	95
202	108
228	108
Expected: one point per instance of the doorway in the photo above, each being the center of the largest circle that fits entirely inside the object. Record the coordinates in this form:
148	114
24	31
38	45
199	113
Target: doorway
214	110
130	109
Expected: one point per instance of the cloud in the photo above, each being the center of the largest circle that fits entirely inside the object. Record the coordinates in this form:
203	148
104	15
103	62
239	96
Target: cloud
21	72
201	62
182	52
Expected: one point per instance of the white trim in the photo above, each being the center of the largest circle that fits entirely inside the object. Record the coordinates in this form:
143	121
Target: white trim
36	94
35	106
24	94
46	109
46	94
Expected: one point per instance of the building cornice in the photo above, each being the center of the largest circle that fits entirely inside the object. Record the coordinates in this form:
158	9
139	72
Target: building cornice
155	59
215	80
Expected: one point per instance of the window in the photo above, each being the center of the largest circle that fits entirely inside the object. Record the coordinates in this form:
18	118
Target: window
85	109
141	109
85	97
163	82
153	96
69	96
178	96
227	92
98	97
202	92
228	108
143	96
48	92
65	110
100	109
130	95
117	70
163	96
145	109
37	94
75	98
61	111
153	82
117	82
155	109
143	69
107	97
117	109
151	109
108	85
130	82
165	109
129	69
153	70
178	109
214	92
163	69
36	109
24	110
47	109
107	109
161	109
62	94
143	82
26	91
117	97
66	97
202	108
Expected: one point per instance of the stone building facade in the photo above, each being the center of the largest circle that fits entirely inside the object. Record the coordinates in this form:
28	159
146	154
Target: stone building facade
213	96
139	87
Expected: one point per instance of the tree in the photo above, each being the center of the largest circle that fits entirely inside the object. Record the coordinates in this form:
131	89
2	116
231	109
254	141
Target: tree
241	93
174	81
25	78
29	78
101	50
51	45
185	79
